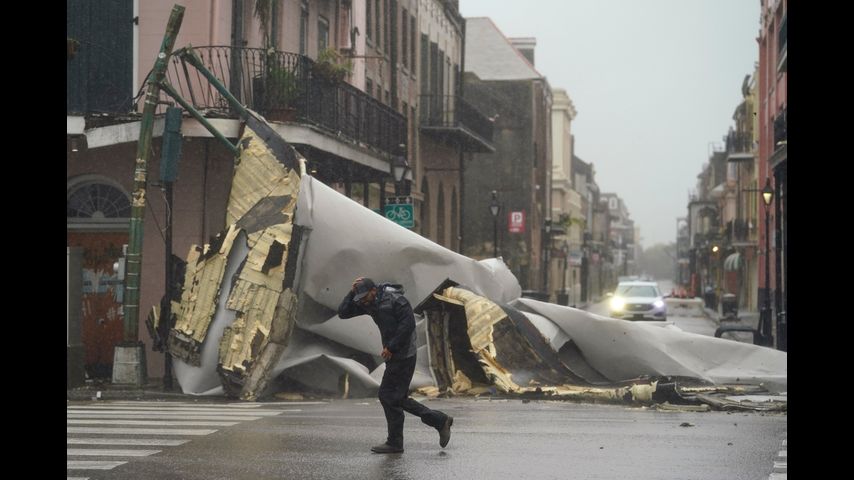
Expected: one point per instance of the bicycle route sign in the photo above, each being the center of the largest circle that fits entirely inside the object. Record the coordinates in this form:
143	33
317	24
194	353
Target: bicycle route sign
400	213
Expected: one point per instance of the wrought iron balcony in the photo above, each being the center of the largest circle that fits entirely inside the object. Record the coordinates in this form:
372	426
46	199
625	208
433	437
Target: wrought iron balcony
284	86
451	118
780	129
781	45
738	232
739	146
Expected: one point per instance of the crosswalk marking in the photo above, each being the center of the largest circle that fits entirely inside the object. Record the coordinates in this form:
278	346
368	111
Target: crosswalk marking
103	452
100	430
160	416
270	413
147	442
140	431
243	405
151	423
92	465
781	466
76	478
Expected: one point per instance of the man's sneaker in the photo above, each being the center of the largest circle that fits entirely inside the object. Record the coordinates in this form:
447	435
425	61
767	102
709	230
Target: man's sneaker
445	432
386	448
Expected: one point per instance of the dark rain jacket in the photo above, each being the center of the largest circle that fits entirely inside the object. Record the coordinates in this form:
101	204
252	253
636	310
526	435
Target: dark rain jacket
392	314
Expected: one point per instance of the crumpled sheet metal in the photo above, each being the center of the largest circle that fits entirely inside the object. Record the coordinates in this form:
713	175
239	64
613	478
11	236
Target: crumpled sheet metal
202	378
202	285
481	315
345	240
623	350
329	239
261	205
303	244
508	356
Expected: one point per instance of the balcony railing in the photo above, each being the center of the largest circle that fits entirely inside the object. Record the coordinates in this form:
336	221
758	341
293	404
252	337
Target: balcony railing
782	54
738	231
284	86
450	114
739	142
779	129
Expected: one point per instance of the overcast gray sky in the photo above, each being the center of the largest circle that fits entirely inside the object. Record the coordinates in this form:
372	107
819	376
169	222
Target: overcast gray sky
653	81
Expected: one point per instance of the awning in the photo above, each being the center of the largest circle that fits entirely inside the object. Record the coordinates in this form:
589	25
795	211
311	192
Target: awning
732	262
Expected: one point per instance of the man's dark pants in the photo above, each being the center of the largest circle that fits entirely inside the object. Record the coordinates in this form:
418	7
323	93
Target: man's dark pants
394	397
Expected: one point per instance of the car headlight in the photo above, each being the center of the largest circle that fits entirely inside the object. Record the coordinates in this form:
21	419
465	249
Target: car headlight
658	303
617	303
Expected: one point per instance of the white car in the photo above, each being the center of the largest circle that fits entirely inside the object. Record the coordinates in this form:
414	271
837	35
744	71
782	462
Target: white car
638	301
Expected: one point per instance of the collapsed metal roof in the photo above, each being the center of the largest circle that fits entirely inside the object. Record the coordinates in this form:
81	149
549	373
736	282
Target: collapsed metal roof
259	307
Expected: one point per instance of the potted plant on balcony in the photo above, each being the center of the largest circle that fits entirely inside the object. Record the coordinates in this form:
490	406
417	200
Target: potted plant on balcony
276	92
331	66
276	87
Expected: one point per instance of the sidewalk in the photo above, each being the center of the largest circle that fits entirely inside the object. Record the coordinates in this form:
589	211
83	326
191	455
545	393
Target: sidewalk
153	390
745	318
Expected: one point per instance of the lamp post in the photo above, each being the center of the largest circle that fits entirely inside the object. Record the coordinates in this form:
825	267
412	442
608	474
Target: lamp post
765	314
547	245
563	296
399	169
494	208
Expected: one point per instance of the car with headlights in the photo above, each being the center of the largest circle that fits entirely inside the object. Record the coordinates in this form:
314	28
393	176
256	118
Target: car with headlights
638	300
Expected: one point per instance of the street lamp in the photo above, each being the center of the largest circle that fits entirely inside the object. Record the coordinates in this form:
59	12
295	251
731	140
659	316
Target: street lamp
765	314
494	208
399	169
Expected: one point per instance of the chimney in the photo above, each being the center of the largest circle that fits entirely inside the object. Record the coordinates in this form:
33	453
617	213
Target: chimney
525	45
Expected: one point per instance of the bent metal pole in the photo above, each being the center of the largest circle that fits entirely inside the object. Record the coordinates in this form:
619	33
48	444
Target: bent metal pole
143	152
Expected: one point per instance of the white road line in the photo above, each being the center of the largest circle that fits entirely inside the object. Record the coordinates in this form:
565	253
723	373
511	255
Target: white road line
151	423
91	465
782	453
76	478
100	452
179	409
140	431
148	442
160	416
240	405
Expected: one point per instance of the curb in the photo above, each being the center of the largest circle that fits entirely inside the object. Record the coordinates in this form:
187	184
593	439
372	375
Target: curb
113	392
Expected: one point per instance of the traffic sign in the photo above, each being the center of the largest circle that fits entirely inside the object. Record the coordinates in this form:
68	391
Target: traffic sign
516	221
400	213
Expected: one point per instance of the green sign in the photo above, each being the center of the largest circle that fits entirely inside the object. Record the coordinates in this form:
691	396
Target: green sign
401	214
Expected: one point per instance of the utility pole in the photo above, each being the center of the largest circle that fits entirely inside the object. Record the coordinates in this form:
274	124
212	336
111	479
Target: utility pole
171	154
129	359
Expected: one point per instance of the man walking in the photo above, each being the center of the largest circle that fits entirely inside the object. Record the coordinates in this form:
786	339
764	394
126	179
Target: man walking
393	315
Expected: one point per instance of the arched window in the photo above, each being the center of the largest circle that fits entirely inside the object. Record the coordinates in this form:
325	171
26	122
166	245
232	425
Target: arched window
425	209
96	201
455	223
440	217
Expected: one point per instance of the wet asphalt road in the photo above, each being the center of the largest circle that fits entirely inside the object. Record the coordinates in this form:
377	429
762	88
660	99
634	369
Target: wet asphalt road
494	439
